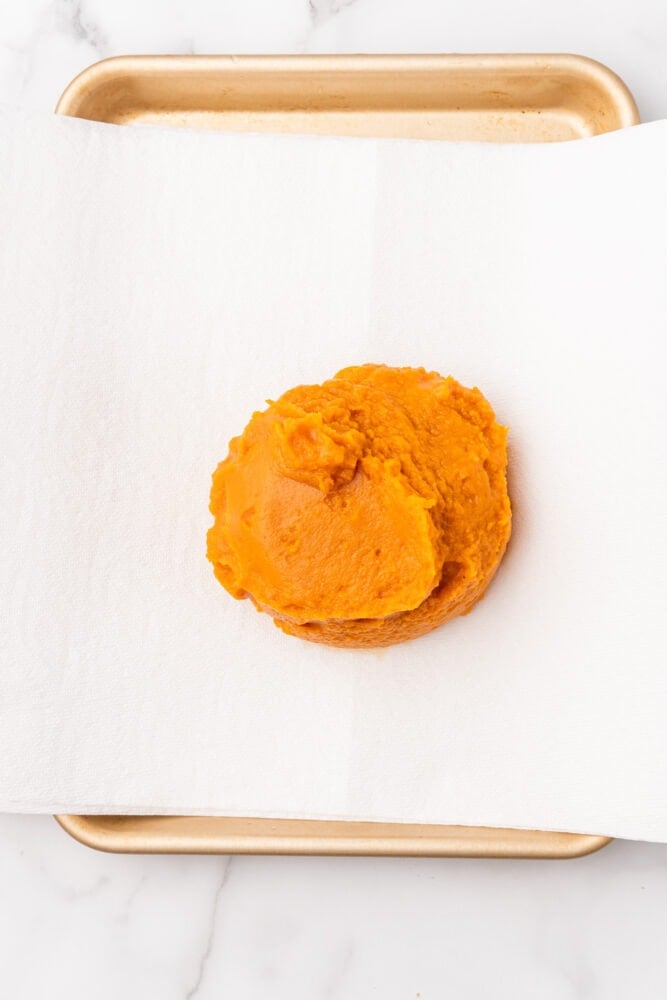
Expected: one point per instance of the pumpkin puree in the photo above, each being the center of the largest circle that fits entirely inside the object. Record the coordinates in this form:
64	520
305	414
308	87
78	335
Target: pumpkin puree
364	511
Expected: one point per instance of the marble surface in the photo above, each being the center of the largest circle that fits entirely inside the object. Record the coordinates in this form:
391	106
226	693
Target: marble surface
74	923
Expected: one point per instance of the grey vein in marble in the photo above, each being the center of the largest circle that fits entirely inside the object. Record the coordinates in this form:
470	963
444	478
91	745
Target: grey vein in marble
124	915
208	947
324	10
69	15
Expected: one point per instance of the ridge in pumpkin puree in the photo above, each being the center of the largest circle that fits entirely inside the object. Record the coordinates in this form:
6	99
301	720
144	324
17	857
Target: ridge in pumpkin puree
364	511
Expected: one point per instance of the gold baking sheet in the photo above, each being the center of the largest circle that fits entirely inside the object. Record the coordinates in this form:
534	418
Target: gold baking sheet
223	835
500	98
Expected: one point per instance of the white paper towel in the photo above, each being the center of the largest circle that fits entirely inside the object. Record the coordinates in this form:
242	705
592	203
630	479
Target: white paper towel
155	288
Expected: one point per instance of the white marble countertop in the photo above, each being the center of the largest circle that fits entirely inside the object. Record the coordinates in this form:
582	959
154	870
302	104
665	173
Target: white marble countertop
77	924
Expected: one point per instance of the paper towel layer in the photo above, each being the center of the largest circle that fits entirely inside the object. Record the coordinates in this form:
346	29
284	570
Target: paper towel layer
155	288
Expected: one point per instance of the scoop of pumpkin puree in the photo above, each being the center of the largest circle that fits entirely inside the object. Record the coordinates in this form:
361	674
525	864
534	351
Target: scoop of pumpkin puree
364	511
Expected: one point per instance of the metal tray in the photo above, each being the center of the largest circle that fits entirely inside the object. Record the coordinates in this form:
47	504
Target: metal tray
501	98
224	835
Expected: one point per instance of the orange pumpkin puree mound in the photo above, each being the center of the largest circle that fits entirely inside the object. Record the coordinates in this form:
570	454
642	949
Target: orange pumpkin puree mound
364	511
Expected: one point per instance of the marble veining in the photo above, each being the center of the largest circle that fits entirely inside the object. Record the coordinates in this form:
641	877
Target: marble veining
79	924
226	867
323	10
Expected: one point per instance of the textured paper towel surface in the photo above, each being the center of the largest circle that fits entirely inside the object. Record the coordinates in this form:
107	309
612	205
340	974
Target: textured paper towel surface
155	288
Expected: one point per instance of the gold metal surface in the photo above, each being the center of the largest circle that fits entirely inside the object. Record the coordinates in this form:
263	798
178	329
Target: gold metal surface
502	98
222	835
